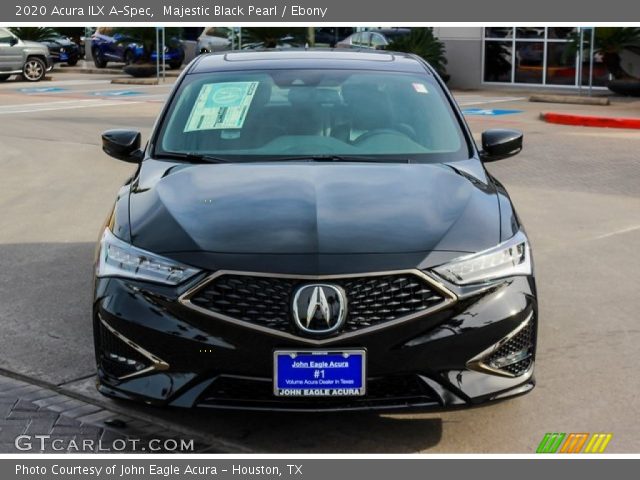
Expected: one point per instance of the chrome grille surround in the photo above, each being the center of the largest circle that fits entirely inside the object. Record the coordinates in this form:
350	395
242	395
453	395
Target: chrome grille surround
280	286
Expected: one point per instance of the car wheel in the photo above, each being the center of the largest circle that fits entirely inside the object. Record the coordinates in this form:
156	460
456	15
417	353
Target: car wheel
128	57
175	65
4	78
98	59
72	62
34	69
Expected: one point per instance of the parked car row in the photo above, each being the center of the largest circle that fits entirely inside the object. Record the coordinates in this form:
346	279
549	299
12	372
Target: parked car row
111	44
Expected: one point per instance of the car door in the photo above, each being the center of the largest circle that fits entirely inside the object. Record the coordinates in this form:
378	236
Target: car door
118	46
10	52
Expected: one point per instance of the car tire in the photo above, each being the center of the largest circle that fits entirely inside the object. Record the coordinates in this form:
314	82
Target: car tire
4	78
98	59
73	62
175	65
129	57
34	69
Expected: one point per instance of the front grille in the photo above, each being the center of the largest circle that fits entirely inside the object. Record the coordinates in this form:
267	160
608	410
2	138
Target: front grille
258	393
266	301
521	344
116	357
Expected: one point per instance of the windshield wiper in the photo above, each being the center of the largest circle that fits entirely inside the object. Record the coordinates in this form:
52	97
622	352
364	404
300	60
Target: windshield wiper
341	158
191	157
204	158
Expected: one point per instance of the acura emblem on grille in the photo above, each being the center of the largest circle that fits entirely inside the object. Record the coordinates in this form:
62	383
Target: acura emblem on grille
319	308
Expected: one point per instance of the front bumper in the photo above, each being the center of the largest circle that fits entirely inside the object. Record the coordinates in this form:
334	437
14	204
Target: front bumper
63	57
186	358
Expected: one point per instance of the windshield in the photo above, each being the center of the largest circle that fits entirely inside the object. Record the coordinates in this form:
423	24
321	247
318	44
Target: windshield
262	115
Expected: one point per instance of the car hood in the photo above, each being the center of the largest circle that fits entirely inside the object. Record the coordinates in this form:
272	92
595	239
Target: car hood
62	41
30	44
311	208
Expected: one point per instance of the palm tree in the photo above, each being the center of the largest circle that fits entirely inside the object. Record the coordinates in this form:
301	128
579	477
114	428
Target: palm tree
423	43
35	34
610	43
270	37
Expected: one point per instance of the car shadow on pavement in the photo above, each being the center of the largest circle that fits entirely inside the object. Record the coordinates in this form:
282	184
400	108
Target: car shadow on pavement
45	306
293	432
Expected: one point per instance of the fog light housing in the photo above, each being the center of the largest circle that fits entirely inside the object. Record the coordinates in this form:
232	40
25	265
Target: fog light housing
512	356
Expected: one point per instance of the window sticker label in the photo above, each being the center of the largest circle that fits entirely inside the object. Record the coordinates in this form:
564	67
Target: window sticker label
420	88
221	106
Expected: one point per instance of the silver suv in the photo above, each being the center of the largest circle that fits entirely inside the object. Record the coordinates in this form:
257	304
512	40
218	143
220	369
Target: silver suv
29	59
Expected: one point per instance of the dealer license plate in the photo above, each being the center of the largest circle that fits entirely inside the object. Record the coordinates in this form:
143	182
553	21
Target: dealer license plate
319	374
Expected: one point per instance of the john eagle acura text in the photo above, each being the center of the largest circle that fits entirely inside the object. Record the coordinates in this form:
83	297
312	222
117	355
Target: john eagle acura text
313	230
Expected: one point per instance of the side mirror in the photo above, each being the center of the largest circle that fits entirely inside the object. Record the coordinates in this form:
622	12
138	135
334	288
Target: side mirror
123	145
499	143
13	41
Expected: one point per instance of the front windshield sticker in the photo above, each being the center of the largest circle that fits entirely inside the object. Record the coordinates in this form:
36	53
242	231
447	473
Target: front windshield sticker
420	88
221	106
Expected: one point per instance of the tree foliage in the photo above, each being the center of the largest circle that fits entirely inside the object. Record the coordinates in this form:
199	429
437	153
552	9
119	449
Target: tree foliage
35	34
423	43
610	43
271	37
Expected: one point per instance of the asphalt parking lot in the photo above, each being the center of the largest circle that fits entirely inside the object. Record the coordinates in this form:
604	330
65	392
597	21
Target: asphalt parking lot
577	190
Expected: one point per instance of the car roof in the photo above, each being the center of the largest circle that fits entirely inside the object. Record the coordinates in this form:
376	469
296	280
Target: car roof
293	58
390	31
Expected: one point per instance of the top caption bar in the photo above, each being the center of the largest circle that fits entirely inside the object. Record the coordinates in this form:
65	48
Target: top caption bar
91	12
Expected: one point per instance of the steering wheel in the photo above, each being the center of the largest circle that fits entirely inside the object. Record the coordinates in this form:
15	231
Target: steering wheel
379	131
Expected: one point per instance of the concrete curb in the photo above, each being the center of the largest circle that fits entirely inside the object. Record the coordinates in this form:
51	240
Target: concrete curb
571	99
135	81
590	120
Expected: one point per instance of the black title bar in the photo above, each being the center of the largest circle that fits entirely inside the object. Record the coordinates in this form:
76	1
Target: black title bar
240	12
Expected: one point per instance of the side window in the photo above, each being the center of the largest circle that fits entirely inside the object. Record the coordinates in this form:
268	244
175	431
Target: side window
355	40
5	37
377	40
366	39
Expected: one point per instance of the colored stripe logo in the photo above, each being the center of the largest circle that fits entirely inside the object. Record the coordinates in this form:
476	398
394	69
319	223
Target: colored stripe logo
574	443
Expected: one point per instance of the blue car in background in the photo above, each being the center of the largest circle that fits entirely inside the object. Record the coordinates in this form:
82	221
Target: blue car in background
109	45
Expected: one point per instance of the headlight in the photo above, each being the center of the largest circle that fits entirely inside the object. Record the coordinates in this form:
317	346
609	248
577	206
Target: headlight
120	259
505	260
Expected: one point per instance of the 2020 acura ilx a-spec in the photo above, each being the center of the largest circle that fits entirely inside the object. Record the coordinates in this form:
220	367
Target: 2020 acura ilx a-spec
313	230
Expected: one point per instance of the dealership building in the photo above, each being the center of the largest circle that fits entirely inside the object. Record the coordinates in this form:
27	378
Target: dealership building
542	57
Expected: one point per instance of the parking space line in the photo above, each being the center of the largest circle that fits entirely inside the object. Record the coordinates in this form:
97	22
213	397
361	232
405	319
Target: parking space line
482	101
64	105
618	232
91	90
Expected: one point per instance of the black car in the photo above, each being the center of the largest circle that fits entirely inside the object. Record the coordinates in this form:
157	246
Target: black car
313	230
63	50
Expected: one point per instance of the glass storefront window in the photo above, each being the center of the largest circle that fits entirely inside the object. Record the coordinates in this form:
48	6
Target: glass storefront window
497	61
561	33
498	32
529	62
538	56
600	72
561	64
530	32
